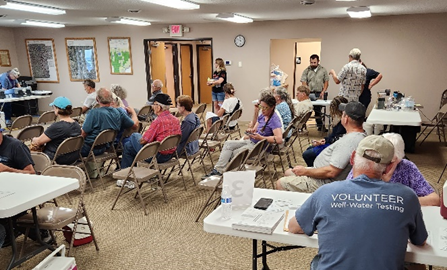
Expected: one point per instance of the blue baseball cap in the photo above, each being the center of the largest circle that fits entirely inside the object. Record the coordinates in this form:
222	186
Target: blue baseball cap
61	102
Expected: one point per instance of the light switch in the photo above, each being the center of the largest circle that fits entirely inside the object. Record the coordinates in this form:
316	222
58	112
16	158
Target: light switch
239	64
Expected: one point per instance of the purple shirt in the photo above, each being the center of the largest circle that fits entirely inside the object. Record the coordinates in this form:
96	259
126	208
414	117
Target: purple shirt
273	124
409	175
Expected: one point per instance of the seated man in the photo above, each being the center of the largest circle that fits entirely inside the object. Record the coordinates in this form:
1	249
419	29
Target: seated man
105	117
90	100
304	105
332	163
407	173
14	157
164	125
370	232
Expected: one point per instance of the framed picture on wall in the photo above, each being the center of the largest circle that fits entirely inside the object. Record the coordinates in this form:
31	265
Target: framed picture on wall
120	55
5	60
82	59
42	60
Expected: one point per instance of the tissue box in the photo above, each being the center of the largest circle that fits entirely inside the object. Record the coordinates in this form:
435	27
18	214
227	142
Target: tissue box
57	263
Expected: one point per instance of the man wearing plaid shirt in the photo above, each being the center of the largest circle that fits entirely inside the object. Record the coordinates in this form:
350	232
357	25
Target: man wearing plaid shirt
164	125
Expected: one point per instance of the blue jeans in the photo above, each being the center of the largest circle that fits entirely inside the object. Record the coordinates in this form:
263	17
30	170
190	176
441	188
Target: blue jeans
218	96
309	156
7	109
132	147
97	151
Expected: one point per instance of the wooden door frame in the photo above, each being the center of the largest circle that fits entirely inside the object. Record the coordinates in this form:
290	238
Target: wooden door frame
147	53
198	65
175	66
191	63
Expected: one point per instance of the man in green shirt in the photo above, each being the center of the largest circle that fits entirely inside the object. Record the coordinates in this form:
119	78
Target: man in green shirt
317	79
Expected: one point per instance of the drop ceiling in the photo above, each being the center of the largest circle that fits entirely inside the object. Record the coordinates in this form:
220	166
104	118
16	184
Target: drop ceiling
94	12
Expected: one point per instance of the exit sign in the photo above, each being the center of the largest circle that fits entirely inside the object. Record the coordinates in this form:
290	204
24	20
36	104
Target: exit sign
176	30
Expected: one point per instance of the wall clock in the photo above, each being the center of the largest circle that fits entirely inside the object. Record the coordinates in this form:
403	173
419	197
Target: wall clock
239	40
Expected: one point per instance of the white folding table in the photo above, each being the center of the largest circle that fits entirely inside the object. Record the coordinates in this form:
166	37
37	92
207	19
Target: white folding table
429	254
20	192
406	123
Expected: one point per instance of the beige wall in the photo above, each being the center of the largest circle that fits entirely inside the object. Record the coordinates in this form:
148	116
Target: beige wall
7	42
408	50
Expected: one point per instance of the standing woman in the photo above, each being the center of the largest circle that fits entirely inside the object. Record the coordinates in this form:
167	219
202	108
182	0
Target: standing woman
55	134
218	82
8	80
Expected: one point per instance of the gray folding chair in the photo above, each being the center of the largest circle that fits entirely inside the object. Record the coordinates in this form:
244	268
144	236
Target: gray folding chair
41	161
141	175
28	133
21	122
200	111
194	136
47	117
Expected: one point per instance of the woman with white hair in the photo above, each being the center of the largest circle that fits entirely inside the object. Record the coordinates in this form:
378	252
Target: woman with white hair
284	105
406	172
120	92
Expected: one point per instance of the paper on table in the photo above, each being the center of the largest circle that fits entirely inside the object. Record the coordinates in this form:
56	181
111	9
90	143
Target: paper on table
443	239
287	216
260	221
4	194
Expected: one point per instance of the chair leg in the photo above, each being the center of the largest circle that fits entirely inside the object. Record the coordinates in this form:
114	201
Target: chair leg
119	193
90	226
141	198
445	167
208	202
160	180
22	249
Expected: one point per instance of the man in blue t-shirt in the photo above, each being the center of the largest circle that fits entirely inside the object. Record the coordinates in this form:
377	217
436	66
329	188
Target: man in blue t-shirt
363	223
105	117
8	80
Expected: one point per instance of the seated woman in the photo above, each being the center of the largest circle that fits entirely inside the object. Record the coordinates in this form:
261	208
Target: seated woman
55	134
229	106
189	123
267	127
407	173
337	131
120	92
284	105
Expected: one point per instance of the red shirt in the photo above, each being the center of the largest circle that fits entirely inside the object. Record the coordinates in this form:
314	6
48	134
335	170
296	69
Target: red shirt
164	125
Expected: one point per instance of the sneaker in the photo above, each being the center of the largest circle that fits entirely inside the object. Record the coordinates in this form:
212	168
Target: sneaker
214	172
129	184
8	123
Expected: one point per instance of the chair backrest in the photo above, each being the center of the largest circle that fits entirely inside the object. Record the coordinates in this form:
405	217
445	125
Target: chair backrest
147	151
77	111
68	172
225	121
30	132
21	122
145	112
235	116
104	137
195	134
237	161
69	145
214	129
302	123
41	161
200	109
170	142
256	151
47	117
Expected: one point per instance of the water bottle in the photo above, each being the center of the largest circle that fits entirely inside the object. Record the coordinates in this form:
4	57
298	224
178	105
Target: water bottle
225	202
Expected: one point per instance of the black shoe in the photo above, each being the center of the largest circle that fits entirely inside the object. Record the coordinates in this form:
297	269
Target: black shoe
214	172
323	129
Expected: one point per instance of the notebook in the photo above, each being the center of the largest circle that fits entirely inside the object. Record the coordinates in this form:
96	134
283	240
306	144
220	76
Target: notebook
259	221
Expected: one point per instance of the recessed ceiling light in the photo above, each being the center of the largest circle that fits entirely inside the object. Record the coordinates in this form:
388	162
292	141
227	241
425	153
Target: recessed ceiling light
178	4
43	24
22	6
231	17
359	12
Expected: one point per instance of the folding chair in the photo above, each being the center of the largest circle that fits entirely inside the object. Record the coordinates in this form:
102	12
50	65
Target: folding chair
104	139
41	161
234	117
168	143
28	133
215	182
126	134
194	136
145	116
436	123
302	133
21	122
47	117
200	111
208	142
54	218
284	148
141	175
76	114
253	160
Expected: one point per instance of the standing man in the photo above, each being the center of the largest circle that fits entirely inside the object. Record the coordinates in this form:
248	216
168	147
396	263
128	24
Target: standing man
90	101
363	223
352	77
8	80
316	78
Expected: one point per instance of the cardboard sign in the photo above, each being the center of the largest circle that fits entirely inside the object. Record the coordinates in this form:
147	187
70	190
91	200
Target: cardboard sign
241	185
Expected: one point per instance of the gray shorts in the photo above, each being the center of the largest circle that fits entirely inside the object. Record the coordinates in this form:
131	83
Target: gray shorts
302	183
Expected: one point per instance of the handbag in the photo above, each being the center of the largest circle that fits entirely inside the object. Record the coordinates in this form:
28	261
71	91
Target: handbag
83	235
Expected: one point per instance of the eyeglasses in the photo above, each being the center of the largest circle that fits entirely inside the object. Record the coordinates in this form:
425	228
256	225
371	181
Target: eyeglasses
263	108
